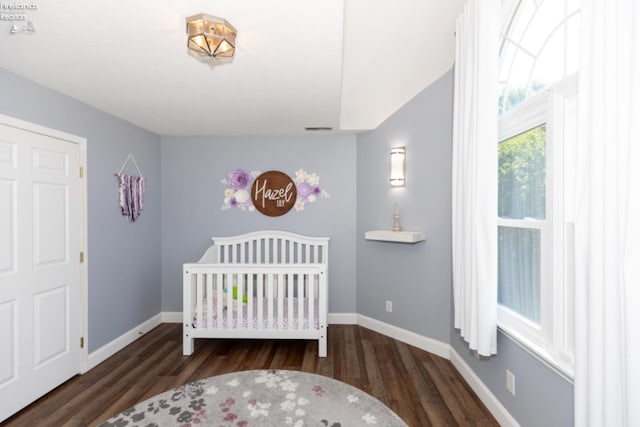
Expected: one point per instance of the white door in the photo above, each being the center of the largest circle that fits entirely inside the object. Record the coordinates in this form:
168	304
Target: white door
40	298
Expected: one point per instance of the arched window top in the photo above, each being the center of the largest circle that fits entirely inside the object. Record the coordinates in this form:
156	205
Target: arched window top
540	46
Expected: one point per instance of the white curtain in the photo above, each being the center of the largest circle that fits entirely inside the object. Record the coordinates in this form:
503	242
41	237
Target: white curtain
607	350
475	175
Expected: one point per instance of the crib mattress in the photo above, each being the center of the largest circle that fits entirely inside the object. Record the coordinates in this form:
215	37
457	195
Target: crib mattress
252	322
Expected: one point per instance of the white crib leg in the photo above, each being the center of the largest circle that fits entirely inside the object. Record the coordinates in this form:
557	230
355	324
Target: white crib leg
322	342
187	344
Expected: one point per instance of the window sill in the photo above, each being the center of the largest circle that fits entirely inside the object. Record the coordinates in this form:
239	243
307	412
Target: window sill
562	368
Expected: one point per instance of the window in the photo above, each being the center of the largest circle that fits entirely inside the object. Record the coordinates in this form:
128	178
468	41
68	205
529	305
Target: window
537	108
522	170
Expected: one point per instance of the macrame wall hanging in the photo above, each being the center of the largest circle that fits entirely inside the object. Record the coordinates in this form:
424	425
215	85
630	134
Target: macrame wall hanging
131	190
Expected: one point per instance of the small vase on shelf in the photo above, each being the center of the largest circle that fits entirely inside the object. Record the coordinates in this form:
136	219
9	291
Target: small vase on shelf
396	221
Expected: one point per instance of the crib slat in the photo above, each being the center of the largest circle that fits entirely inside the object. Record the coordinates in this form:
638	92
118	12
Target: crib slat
258	252
250	300
311	300
290	279
199	299
270	286
302	278
219	298
307	253
238	299
260	300
209	320
280	301
229	296
267	251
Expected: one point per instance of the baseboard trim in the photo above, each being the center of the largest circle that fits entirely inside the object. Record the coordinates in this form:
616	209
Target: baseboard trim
171	316
103	353
492	403
343	319
428	344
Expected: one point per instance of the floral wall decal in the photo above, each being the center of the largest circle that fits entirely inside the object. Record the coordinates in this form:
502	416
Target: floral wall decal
236	195
308	186
239	182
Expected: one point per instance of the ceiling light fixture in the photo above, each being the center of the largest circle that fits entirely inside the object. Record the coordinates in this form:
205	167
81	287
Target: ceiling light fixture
211	36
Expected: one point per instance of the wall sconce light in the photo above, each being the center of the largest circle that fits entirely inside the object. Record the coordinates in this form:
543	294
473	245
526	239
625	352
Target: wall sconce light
396	177
211	36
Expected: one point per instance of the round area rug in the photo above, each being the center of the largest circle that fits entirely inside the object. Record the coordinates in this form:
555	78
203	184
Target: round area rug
260	398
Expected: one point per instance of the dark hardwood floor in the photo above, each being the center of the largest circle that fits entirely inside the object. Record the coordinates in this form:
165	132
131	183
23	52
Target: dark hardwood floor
424	389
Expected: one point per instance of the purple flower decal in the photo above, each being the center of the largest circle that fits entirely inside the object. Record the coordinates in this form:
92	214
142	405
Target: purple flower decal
308	188
236	195
304	189
238	179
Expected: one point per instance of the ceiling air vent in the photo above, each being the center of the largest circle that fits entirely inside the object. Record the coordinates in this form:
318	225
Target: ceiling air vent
317	128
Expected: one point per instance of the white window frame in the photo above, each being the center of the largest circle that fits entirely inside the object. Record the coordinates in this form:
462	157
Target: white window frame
552	340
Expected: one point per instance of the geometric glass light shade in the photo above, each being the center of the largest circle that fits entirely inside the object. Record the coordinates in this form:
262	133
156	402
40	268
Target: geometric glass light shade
396	177
211	36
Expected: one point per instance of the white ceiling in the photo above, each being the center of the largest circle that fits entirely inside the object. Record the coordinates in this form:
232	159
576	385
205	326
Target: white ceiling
345	64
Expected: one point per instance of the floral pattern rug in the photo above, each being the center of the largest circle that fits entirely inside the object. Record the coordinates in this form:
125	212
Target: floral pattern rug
260	398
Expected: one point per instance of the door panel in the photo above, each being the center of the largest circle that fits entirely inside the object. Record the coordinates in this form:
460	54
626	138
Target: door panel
51	325
8	350
7	226
7	154
50	220
48	160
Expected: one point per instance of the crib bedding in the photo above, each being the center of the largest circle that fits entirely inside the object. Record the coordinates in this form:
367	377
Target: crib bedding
253	322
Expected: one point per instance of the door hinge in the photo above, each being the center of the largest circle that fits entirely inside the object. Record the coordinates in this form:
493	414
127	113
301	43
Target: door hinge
81	172
81	257
81	342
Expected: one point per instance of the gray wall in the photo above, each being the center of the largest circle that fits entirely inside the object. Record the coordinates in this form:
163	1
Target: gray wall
543	398
415	277
123	258
192	197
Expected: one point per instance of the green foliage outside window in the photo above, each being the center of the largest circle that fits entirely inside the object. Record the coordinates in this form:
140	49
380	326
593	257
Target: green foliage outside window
521	175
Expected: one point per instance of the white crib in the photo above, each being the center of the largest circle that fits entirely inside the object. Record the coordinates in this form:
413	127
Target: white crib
265	284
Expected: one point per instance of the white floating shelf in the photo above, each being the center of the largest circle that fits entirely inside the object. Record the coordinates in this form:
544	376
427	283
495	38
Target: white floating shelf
395	236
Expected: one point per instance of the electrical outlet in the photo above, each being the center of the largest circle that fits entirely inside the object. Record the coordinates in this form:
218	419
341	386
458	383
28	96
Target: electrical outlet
388	306
511	382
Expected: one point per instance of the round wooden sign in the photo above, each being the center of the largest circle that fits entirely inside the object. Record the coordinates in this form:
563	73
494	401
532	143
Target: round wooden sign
273	193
